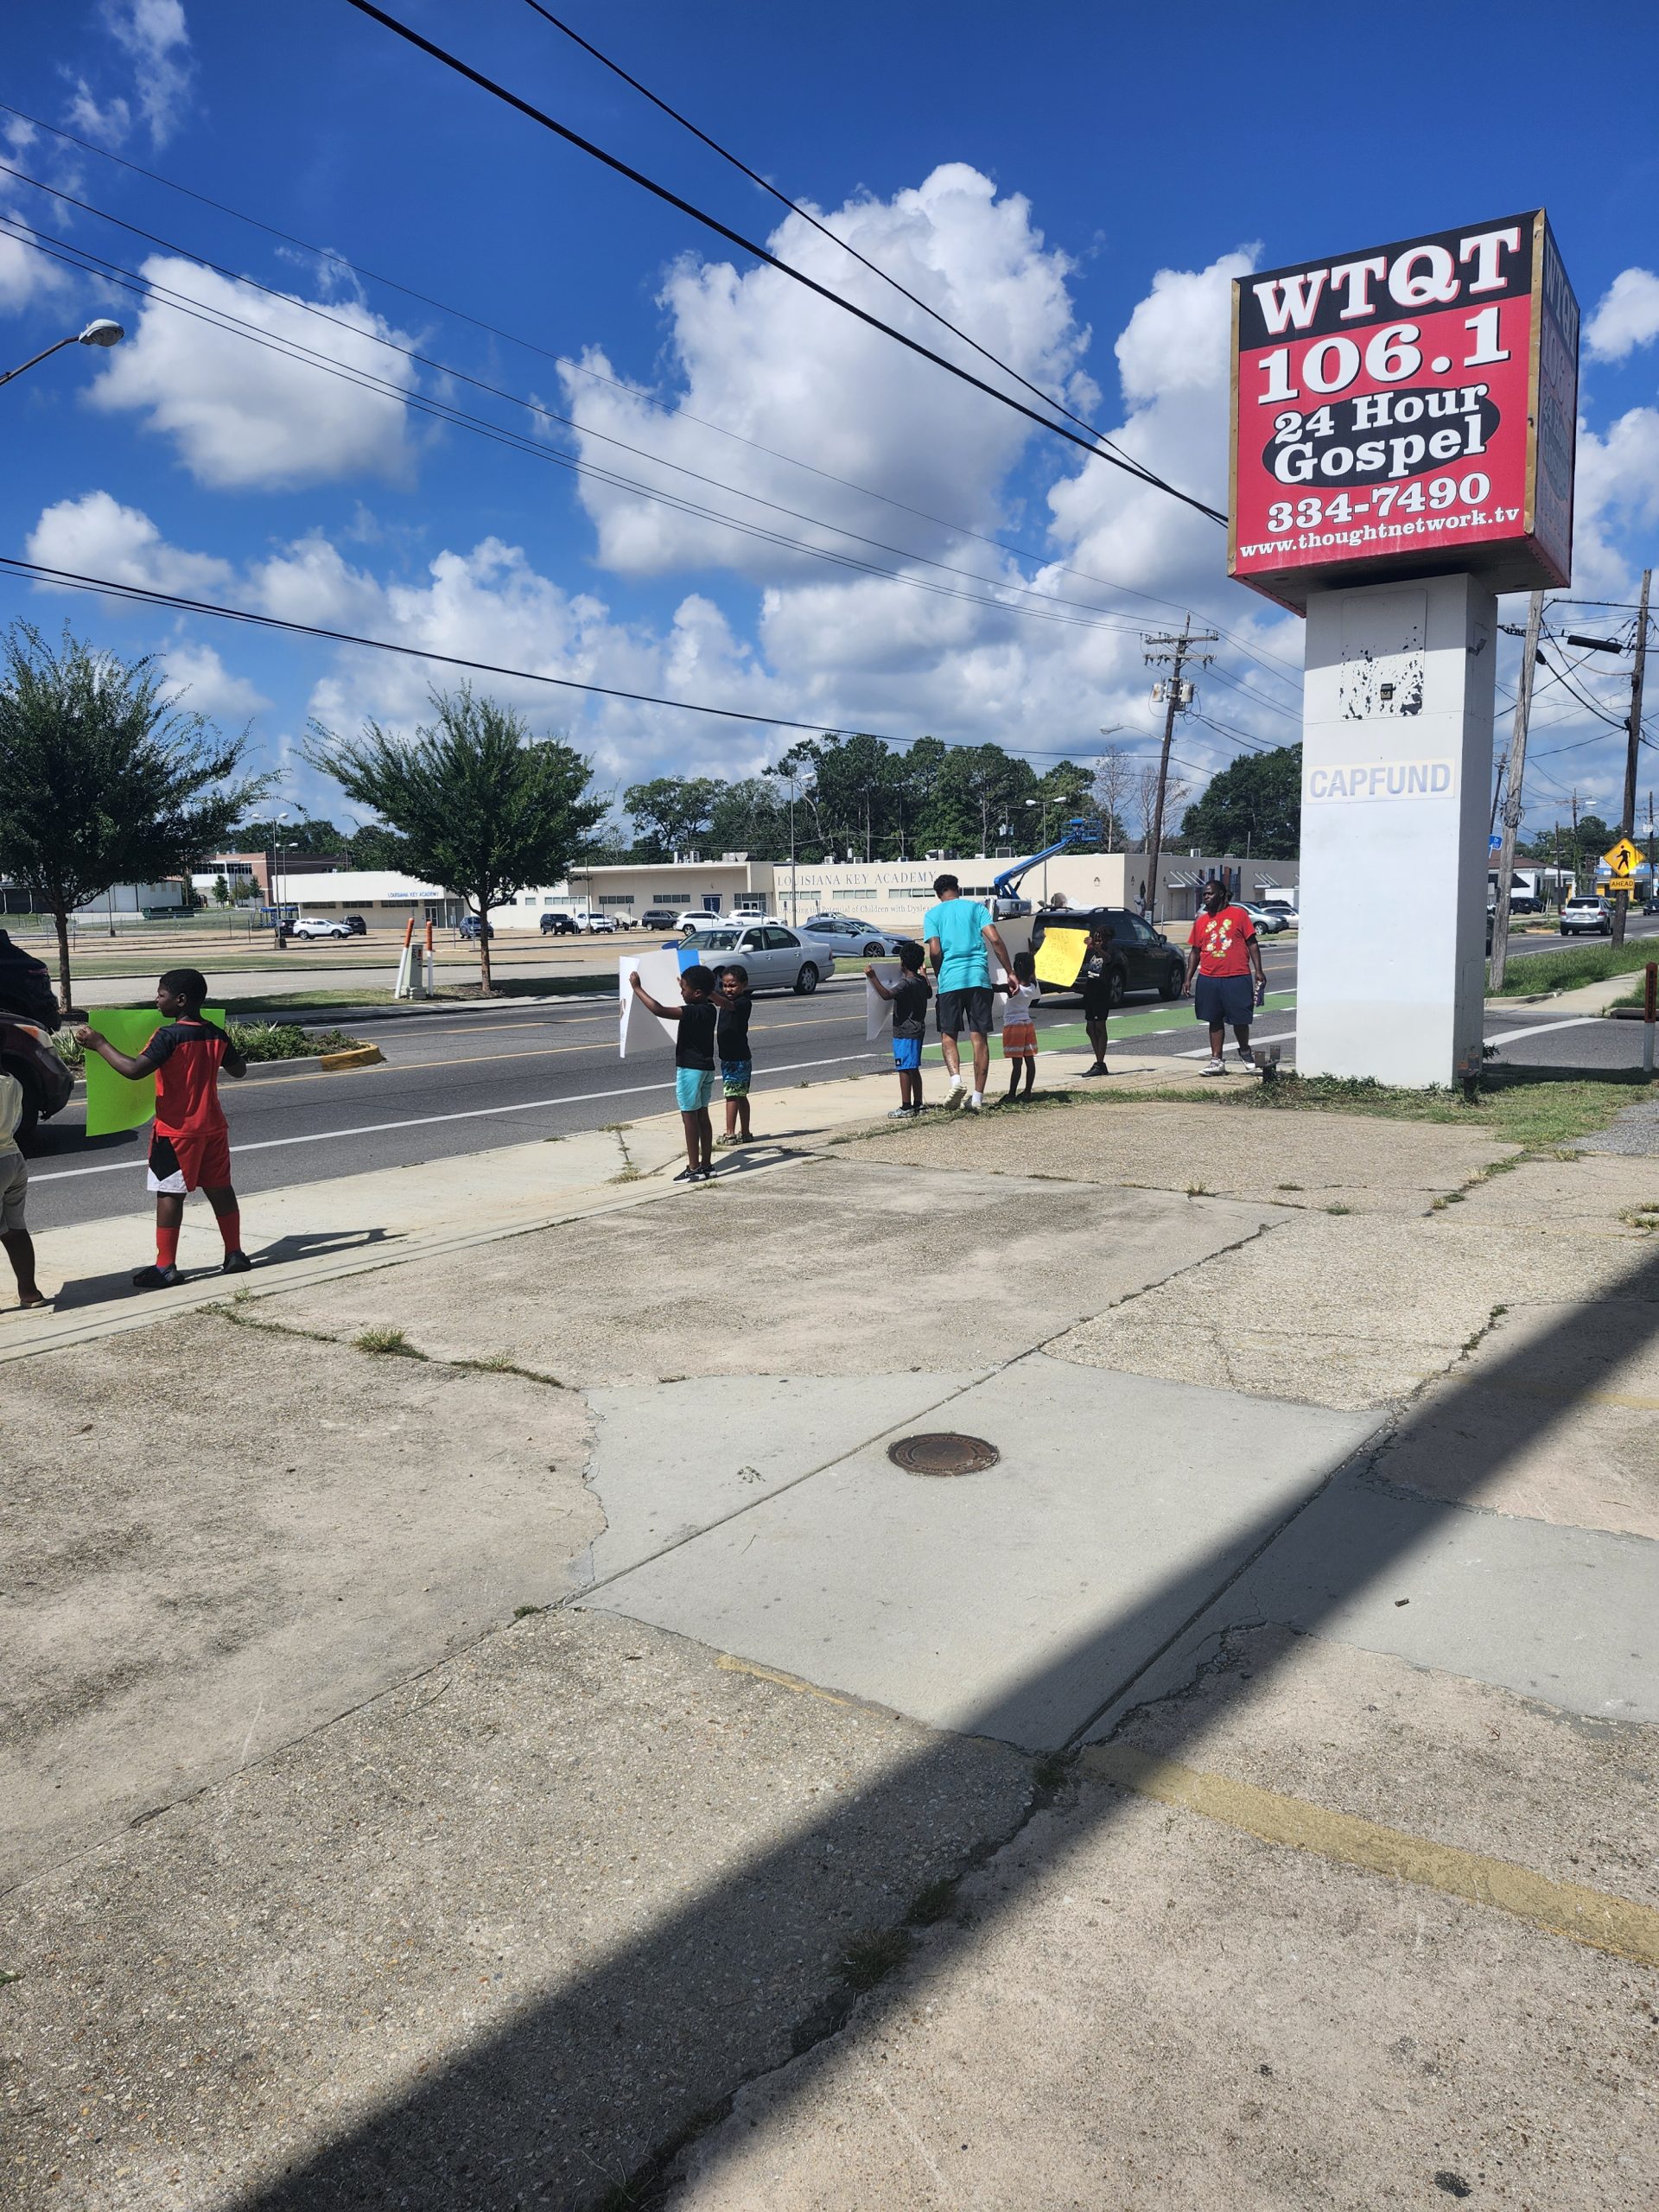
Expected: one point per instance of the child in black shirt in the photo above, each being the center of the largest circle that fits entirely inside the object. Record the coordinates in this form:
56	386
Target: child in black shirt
910	995
694	1063
735	1001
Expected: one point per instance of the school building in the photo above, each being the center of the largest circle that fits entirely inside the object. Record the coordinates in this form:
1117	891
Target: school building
892	894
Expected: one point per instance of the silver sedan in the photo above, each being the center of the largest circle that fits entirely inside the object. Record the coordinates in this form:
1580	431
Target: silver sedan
776	958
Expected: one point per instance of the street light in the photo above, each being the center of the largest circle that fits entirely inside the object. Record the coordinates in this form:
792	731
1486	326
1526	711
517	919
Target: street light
101	333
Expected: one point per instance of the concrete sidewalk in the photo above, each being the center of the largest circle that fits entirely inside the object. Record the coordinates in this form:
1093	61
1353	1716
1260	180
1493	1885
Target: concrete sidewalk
491	1725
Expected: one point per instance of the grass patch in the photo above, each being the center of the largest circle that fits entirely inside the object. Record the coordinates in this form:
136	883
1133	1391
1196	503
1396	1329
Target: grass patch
387	1344
870	1959
936	1902
1533	1106
1579	964
513	986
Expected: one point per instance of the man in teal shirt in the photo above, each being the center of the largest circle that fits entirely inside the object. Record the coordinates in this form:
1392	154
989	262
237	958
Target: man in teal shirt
961	936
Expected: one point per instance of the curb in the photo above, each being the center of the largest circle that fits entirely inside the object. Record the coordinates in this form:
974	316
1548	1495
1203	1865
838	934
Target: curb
358	1056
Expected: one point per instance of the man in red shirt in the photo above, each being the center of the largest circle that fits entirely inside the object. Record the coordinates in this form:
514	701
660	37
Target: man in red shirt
1224	952
190	1144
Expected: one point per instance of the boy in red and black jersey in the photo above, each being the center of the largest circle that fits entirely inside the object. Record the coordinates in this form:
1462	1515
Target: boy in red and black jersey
190	1143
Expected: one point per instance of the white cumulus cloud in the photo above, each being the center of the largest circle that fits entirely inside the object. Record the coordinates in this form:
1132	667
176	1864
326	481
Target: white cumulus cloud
1627	316
244	417
96	536
199	682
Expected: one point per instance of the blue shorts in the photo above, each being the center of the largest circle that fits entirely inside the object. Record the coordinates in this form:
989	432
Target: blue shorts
693	1087
735	1078
906	1054
1219	1000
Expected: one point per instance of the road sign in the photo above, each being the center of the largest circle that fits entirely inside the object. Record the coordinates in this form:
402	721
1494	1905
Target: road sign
1623	859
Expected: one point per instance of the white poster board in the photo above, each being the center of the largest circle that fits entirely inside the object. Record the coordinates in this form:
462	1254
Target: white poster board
878	1011
660	974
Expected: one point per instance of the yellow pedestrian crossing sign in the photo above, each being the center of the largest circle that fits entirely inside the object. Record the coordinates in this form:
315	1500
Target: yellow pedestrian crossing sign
1623	860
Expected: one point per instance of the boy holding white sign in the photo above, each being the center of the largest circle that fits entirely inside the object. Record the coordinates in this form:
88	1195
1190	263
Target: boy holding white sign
697	1018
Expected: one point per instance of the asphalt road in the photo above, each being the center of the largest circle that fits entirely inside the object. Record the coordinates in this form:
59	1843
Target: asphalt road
465	1080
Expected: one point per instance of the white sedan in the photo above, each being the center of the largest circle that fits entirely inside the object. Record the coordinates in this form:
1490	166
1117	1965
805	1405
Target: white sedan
315	927
847	935
776	958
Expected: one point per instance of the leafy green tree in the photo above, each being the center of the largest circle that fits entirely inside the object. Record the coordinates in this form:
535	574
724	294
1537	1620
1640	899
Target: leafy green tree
750	816
671	814
374	846
221	890
1254	806
102	781
480	806
308	835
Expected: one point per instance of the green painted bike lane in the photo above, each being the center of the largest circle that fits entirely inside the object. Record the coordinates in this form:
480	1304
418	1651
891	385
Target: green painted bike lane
1165	1021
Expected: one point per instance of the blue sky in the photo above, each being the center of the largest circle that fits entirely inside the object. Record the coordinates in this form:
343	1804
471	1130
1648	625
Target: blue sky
1075	186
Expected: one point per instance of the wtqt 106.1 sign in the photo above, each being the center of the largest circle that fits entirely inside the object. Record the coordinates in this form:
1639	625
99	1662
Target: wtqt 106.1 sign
1405	411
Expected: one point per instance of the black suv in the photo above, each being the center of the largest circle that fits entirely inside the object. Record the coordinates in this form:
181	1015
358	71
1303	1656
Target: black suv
1142	960
559	925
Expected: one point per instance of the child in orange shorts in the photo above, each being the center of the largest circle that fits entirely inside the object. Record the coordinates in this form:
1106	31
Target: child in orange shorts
1019	1028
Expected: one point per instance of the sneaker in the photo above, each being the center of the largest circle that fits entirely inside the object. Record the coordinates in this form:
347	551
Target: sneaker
1212	1067
976	1104
901	1113
155	1278
720	1143
1247	1059
689	1175
236	1263
954	1096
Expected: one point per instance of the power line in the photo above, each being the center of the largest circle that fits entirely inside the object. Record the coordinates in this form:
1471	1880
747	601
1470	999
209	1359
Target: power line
303	356
823	230
1269	661
786	269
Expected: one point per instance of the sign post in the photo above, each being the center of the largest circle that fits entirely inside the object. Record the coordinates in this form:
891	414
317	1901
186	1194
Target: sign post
1402	451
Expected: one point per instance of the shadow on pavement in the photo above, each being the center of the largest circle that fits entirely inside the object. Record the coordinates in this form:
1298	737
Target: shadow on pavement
595	2083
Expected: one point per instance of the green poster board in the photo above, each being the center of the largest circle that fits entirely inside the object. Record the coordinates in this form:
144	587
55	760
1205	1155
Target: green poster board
112	1102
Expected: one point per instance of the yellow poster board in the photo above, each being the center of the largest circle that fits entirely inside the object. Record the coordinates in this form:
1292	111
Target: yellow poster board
1060	956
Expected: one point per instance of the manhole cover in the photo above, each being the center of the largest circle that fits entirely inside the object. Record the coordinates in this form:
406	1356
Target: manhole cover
944	1452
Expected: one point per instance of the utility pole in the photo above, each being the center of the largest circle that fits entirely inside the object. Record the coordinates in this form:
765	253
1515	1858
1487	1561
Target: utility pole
1177	695
1577	856
1653	887
1517	768
1627	821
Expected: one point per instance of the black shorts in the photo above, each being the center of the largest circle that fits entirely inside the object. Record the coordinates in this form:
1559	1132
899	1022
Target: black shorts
1097	1001
971	1007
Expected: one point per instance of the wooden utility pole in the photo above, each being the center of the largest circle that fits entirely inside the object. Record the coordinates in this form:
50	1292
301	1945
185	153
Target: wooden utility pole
1627	820
1176	658
1515	769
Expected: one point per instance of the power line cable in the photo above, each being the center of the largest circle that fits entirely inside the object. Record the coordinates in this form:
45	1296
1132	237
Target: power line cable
1271	663
823	229
414	38
89	264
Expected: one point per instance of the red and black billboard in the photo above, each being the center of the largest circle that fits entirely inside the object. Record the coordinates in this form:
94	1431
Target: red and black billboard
1407	409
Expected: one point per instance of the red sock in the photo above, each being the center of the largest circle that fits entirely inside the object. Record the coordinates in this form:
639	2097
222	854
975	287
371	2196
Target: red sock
230	1228
166	1246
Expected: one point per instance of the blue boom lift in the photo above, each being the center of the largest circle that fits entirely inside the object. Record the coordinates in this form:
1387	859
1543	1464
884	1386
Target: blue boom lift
1006	902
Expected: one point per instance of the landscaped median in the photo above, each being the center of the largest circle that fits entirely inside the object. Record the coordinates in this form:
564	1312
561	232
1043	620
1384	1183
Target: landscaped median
264	1043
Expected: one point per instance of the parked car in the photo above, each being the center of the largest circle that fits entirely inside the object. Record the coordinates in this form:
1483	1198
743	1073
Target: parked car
1585	915
468	927
317	925
778	959
559	925
1268	920
601	925
356	924
847	935
701	917
1143	959
1651	905
658	918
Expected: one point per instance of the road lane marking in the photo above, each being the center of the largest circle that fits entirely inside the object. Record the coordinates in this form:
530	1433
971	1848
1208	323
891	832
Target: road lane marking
1542	1028
469	1113
1589	1916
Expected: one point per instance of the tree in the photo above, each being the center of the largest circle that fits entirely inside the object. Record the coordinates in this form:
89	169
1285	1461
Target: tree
308	835
747	817
102	781
480	806
374	846
221	890
1254	806
1114	781
672	814
1144	797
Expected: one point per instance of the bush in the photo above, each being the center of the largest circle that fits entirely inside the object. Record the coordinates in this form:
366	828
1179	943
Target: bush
286	1040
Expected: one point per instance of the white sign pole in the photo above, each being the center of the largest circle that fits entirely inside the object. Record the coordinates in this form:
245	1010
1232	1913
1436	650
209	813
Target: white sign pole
1396	781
